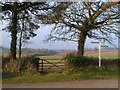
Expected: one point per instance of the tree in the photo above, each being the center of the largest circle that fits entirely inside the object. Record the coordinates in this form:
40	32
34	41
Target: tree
84	19
11	12
25	32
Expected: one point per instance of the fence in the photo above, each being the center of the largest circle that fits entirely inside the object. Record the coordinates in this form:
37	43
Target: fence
51	65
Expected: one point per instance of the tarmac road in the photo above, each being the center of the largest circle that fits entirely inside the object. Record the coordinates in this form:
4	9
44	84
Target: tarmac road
92	83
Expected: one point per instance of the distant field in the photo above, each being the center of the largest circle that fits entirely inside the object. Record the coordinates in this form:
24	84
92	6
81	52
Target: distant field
5	54
108	54
52	57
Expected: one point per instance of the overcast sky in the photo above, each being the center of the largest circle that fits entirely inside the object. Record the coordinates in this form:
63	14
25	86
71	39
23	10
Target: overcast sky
37	42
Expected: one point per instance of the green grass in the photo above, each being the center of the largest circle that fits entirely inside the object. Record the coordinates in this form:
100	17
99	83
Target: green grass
64	76
110	56
51	57
10	77
107	55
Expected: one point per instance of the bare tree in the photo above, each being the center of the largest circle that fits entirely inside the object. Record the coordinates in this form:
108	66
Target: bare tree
25	33
83	19
11	12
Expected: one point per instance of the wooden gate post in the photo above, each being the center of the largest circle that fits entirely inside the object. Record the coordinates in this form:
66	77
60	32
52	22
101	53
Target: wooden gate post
42	66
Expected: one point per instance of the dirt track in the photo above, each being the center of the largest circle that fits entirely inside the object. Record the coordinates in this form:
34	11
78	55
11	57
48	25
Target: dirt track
95	83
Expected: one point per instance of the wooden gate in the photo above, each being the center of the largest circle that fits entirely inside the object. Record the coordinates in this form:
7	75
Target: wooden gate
51	65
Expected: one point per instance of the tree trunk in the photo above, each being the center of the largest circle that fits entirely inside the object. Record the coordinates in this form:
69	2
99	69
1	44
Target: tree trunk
14	32
20	40
20	45
81	43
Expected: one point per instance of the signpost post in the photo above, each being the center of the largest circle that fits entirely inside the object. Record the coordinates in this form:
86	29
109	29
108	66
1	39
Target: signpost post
99	54
101	44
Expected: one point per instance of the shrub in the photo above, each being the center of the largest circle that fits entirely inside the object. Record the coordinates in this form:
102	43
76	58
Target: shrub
5	61
111	63
79	62
74	61
29	64
26	64
12	66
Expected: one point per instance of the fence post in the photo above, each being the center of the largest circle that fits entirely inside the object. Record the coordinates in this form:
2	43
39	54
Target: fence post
42	65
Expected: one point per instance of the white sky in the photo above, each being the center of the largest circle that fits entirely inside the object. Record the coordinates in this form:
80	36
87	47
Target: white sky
37	42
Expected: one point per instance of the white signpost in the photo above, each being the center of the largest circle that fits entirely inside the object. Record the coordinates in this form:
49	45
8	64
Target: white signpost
101	44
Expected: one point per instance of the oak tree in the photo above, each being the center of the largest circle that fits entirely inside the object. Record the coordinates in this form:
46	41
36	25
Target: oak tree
79	20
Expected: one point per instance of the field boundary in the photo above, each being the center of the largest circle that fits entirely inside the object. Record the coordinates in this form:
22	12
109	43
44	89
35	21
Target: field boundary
48	65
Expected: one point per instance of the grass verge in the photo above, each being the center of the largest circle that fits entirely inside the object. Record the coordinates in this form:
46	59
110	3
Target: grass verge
9	78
